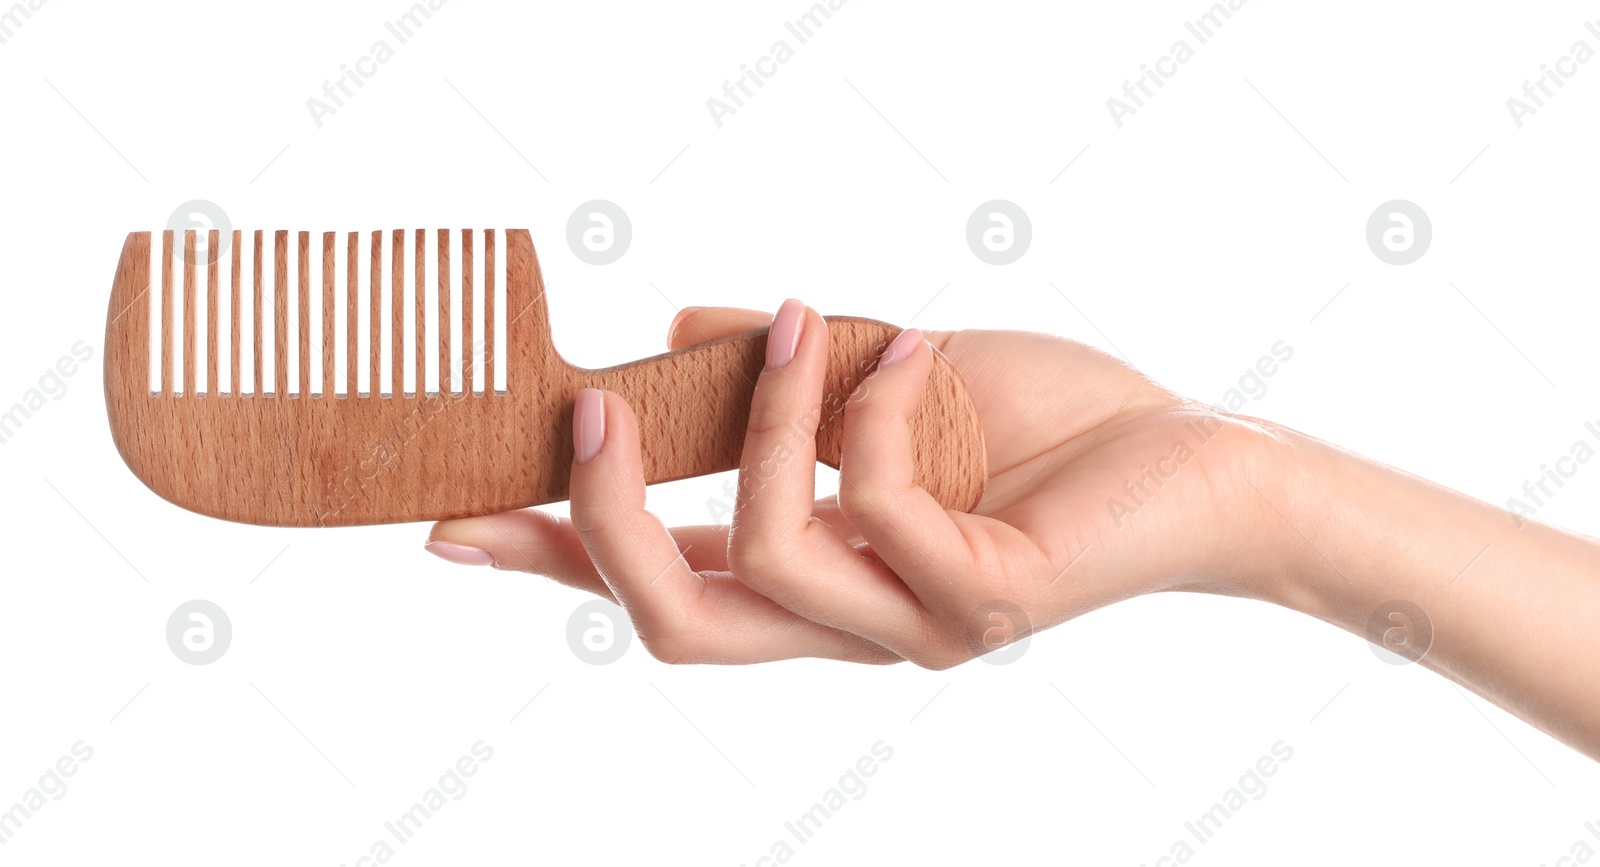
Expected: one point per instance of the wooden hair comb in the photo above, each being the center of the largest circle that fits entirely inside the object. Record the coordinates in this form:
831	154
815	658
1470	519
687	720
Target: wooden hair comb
257	448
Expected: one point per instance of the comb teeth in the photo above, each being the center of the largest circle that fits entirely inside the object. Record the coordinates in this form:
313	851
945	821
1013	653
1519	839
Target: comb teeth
382	331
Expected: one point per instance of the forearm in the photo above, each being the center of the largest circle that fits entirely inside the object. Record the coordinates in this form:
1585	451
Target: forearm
1514	606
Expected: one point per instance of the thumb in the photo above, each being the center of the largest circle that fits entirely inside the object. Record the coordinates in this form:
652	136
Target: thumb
704	324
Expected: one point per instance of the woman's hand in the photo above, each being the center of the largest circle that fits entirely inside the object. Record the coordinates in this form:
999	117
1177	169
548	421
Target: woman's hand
1102	486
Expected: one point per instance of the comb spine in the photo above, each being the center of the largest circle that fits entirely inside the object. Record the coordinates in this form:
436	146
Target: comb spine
527	328
127	364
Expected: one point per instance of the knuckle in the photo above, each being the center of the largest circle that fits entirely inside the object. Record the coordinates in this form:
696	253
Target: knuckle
939	656
876	398
675	647
757	562
859	405
586	516
766	414
748	557
937	646
860	499
772	412
853	508
591	510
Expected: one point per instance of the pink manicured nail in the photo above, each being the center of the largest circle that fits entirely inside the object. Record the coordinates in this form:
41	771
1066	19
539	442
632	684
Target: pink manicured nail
589	423
784	337
464	555
681	315
902	346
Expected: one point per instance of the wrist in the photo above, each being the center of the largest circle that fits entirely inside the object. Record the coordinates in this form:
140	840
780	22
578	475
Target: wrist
1342	535
1296	485
1286	493
1261	480
1503	607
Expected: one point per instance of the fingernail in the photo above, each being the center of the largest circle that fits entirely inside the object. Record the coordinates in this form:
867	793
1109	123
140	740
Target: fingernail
683	314
784	337
901	346
589	423
464	555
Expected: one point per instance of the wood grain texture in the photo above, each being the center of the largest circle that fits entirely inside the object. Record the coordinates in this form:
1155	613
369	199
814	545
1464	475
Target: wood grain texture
468	348
375	320
446	312
352	329
233	310
168	304
256	354
488	311
328	284
397	312
303	311
188	311
266	459
280	314
421	304
212	267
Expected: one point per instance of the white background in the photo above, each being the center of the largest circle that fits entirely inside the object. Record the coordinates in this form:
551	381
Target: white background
1204	230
